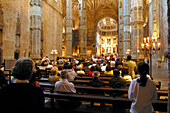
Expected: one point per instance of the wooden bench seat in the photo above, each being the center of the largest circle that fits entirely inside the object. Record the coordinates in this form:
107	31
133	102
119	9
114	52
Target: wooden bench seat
102	90
116	102
86	82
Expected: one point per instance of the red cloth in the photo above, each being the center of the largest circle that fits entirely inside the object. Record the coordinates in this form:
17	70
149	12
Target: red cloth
90	73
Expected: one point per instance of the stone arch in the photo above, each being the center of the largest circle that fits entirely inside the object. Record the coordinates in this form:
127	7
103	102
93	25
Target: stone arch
101	17
106	36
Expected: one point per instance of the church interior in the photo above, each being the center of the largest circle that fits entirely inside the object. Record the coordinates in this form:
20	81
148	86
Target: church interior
86	29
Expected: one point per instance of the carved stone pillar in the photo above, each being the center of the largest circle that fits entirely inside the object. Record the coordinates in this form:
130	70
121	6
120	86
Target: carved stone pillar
168	52
1	26
121	28
69	28
83	28
155	18
137	29
35	29
154	25
126	39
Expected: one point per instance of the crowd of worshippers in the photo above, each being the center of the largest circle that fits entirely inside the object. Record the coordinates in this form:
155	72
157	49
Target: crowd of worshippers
120	70
25	89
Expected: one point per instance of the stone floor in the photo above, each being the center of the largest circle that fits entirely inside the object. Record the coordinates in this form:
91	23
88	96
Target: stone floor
161	74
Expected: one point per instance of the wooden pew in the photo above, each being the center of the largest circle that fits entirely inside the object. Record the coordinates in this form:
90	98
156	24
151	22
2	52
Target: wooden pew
80	78
44	70
109	90
102	90
90	78
86	75
86	82
106	82
117	102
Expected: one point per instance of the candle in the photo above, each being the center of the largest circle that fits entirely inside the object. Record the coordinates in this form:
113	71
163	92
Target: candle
159	44
147	46
156	39
144	40
148	39
153	46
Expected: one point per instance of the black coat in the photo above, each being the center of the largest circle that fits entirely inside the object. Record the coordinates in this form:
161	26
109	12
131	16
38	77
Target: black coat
21	98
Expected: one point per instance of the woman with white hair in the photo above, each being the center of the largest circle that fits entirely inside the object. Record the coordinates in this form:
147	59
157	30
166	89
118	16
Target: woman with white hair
22	97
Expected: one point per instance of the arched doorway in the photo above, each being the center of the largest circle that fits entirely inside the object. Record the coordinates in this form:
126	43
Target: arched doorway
106	38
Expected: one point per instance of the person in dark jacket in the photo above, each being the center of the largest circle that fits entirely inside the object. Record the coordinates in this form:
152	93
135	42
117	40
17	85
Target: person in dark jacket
117	81
22	97
96	82
3	81
118	62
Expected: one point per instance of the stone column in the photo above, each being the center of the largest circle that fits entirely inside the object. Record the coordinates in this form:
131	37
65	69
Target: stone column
168	52
35	29
155	18
154	25
121	28
137	29
69	28
83	28
126	39
1	26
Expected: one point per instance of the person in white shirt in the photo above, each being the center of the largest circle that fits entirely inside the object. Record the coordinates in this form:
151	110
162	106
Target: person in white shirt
80	70
103	68
72	73
112	62
64	85
142	91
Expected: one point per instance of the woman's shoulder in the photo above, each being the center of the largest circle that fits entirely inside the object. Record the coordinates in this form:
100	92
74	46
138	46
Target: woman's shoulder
151	82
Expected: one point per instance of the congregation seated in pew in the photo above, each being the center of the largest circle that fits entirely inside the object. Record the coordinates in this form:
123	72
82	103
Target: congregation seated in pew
92	69
71	72
108	71
54	76
125	75
64	86
117	81
96	82
80	71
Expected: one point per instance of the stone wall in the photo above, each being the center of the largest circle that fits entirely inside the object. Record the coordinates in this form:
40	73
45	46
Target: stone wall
52	27
163	32
168	13
11	9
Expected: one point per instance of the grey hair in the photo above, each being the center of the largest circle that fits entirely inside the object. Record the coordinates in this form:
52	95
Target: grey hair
64	74
23	69
96	74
